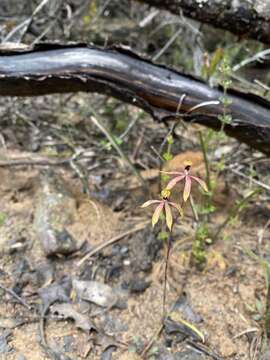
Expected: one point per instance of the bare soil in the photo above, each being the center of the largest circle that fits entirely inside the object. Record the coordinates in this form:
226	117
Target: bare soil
220	301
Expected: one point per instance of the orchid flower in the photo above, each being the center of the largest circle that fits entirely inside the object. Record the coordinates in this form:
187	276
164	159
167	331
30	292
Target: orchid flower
187	178
164	205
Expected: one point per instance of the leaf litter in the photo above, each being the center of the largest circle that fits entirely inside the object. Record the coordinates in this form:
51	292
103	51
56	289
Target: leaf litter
214	310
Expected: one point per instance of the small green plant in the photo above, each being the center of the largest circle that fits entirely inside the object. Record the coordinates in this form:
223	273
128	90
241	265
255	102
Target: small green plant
167	156
2	218
225	72
210	141
198	254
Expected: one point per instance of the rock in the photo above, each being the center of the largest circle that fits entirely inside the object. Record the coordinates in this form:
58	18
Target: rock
55	210
136	285
189	354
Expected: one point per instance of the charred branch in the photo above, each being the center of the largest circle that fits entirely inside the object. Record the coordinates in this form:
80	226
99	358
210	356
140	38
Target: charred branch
242	17
49	68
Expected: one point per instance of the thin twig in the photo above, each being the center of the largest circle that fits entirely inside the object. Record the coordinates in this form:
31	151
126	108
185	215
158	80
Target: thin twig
98	122
112	241
155	336
175	123
159	330
39	161
168	44
26	24
261	55
204	349
17	297
203	104
257	182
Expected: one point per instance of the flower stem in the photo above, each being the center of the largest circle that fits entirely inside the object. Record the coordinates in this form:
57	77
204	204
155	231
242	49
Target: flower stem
169	245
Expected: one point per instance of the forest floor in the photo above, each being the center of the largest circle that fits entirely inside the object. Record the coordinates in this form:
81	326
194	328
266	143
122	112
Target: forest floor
57	307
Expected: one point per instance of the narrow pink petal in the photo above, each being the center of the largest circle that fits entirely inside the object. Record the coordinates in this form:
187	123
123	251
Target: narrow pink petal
174	181
172	172
187	188
201	182
178	207
169	218
157	213
150	202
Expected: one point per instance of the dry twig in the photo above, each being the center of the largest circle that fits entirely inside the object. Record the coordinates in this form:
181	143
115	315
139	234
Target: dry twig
112	241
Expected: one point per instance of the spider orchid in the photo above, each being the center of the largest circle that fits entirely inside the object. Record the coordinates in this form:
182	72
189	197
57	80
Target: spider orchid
164	205
187	178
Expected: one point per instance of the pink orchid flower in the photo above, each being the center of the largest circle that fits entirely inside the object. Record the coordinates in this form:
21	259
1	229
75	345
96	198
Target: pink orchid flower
187	178
164	205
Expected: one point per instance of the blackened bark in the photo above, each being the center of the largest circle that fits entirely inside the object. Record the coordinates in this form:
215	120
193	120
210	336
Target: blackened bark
49	68
241	17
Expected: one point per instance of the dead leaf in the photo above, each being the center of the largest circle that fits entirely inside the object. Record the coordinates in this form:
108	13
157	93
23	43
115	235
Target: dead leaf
54	292
95	292
66	311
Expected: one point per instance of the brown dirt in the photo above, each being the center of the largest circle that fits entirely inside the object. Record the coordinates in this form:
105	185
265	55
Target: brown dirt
224	294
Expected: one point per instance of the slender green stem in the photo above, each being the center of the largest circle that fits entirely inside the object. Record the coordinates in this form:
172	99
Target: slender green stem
169	245
267	311
193	208
206	162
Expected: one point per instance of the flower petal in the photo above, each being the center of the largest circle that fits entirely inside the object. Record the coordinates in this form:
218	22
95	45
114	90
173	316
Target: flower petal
157	213
150	202
169	218
187	188
201	182
178	207
174	181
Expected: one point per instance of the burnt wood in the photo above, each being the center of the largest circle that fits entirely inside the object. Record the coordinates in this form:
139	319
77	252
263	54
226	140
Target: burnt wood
243	17
49	68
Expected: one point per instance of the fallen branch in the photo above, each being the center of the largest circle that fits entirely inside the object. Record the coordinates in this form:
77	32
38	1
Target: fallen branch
243	18
50	68
111	241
